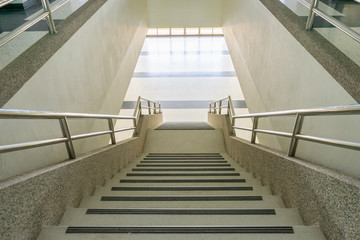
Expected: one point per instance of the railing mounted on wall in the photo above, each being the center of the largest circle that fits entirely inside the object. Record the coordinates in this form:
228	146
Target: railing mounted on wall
35	18
67	137
314	10
295	135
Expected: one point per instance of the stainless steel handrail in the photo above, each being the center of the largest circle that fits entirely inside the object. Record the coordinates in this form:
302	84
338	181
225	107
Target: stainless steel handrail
35	18
218	106
67	137
5	2
300	115
314	10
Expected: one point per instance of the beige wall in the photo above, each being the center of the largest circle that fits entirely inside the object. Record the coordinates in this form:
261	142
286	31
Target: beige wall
89	74
185	13
277	73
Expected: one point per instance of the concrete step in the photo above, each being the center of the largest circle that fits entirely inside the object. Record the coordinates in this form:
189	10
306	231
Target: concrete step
184	141
268	201
300	233
250	182
181	190
78	217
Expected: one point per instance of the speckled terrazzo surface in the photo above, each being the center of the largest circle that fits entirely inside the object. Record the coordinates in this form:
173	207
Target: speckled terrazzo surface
40	198
341	68
17	73
323	196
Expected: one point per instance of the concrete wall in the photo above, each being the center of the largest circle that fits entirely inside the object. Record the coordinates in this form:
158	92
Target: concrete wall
185	13
40	197
323	196
277	73
90	73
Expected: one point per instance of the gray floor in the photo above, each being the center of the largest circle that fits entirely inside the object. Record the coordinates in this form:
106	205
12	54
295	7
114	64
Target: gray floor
185	126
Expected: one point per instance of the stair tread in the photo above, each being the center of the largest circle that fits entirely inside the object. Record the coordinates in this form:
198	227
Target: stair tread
269	201
300	233
78	216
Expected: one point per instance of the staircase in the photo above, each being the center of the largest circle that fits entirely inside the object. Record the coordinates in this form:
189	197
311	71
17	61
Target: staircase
184	187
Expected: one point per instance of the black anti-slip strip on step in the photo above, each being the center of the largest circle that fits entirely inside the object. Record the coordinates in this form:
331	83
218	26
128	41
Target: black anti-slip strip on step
184	211
181	169
184	154
182	180
180	174
181	198
181	189
184	161
184	158
185	230
184	165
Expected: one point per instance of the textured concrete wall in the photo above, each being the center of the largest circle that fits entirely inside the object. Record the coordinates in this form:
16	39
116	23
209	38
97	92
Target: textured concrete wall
277	73
39	198
323	196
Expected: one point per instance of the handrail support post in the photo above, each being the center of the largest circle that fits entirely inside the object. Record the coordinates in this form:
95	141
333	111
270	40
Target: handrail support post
49	19
297	130
66	133
112	129
311	17
255	125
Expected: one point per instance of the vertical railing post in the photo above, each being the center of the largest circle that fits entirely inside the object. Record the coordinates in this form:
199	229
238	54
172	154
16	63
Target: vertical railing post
214	107
160	108
112	129
220	105
255	125
149	106
311	17
210	107
297	130
154	104
49	19
66	133
228	108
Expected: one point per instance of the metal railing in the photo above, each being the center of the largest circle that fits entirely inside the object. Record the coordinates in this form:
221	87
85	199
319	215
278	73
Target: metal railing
218	105
35	18
314	10
67	137
300	115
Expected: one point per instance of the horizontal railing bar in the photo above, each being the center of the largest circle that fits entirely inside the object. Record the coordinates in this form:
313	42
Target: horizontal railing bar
243	128
141	98
277	133
5	2
124	129
337	110
225	106
341	26
23	114
17	31
146	107
329	141
21	146
86	135
57	6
